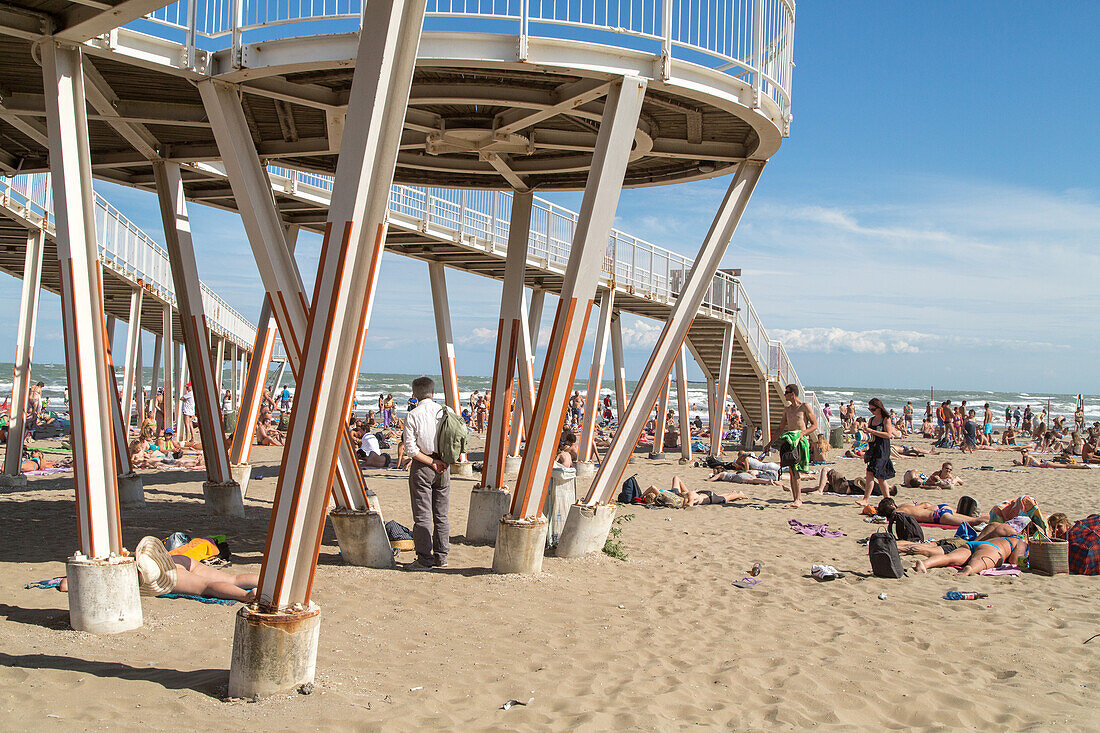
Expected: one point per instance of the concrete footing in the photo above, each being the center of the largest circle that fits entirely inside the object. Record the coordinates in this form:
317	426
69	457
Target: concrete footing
487	506
585	468
103	595
683	460
657	456
520	546
226	500
131	492
586	530
512	464
465	469
16	481
273	652
362	538
241	473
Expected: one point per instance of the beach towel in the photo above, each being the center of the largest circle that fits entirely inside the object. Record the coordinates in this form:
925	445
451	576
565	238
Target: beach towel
815	530
794	450
47	471
200	599
1003	570
44	584
1021	505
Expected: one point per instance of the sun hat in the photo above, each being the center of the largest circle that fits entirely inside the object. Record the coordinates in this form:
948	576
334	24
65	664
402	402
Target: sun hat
169	431
156	569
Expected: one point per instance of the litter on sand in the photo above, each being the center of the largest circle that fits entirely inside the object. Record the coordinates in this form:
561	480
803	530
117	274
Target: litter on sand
746	582
513	703
825	572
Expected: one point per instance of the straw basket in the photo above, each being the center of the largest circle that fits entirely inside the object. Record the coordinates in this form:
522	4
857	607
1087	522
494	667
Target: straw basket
1047	557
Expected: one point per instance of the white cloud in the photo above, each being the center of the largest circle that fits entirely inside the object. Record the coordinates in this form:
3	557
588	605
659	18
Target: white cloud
884	340
479	336
641	335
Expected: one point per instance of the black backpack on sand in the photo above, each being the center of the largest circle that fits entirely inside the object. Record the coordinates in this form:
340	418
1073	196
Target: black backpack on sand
630	492
905	528
882	549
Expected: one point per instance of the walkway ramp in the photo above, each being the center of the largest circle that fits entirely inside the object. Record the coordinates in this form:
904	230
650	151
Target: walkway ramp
130	258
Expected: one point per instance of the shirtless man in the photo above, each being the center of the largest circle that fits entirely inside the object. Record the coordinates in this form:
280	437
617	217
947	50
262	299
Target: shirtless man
987	426
943	478
797	415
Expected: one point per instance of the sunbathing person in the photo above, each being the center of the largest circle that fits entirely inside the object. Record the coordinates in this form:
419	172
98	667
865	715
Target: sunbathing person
704	497
978	555
928	513
835	483
943	478
160	573
34	460
1064	460
910	451
742	477
267	433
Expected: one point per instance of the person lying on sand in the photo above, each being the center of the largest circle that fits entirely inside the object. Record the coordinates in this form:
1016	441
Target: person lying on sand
160	573
943	478
1063	460
911	452
681	496
742	477
35	460
834	482
978	555
928	513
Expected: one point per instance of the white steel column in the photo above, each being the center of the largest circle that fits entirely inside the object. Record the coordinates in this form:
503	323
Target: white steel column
219	369
133	354
712	400
254	385
444	339
722	391
595	376
618	364
346	283
234	377
509	334
139	386
158	351
196	335
659	421
24	351
601	197
268	237
525	363
167	352
86	365
691	296
182	378
765	413
683	406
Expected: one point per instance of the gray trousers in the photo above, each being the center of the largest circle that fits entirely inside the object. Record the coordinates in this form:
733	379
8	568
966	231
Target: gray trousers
430	495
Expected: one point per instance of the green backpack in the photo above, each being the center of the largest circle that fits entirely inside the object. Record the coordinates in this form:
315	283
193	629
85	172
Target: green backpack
451	441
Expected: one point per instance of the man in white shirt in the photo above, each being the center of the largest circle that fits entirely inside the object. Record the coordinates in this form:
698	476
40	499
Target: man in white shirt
371	451
429	478
187	402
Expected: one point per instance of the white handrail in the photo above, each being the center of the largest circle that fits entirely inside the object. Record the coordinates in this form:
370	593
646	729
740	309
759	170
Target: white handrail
749	39
125	249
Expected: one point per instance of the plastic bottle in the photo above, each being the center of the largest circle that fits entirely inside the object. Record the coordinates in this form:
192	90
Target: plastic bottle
954	595
756	568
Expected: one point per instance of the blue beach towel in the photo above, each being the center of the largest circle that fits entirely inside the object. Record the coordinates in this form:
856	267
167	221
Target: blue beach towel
200	599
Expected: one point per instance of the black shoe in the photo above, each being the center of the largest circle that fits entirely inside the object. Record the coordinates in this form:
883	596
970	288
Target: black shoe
418	565
441	563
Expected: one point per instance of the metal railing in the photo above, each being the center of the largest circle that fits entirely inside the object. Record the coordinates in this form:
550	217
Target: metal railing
748	39
126	250
479	219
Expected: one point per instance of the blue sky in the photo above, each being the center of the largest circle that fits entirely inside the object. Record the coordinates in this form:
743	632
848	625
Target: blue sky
933	218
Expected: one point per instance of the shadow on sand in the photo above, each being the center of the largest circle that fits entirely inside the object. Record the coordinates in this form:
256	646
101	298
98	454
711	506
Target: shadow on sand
210	682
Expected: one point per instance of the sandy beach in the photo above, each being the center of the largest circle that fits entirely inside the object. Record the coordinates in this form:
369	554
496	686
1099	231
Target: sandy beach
659	641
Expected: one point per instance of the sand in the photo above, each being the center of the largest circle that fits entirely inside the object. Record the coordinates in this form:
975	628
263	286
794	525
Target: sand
659	641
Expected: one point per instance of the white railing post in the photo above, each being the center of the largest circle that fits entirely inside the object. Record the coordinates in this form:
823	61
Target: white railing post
236	8
757	51
666	39
192	20
522	51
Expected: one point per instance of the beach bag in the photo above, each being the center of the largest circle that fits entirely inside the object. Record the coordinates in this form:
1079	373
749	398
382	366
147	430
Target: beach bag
1084	546
630	491
451	441
197	549
382	442
1047	557
905	528
882	550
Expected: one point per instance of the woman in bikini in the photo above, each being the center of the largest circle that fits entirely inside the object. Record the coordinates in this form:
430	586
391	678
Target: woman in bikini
978	555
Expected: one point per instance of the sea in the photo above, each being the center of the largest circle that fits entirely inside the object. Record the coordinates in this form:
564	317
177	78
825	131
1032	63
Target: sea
371	385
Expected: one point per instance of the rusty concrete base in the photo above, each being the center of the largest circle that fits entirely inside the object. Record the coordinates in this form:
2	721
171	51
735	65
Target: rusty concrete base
273	652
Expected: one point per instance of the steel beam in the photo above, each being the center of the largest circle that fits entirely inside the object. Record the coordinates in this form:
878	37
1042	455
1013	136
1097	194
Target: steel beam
525	363
765	412
219	369
133	354
682	404
346	283
158	354
168	380
196	334
510	330
722	390
618	364
661	408
234	382
87	367
595	376
181	383
601	197
444	338
24	351
267	236
672	336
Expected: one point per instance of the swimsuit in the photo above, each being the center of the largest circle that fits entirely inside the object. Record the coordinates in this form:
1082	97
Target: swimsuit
713	498
937	515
